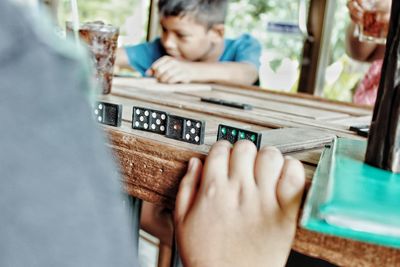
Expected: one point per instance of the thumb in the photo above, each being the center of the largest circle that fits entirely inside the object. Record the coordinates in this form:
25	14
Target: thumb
290	187
188	190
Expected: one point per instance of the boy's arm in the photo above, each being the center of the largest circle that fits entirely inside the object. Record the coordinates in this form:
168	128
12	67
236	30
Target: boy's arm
240	73
121	60
171	70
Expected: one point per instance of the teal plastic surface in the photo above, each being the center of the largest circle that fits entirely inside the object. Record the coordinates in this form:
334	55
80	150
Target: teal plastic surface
351	199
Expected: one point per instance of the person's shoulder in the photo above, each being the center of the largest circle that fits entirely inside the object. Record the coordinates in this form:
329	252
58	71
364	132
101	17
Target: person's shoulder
155	44
243	42
244	38
244	48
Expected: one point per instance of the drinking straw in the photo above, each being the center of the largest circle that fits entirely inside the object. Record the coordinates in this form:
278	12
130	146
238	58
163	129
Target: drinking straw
75	20
33	5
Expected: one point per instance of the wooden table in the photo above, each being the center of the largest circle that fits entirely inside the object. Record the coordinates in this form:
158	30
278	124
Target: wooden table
153	165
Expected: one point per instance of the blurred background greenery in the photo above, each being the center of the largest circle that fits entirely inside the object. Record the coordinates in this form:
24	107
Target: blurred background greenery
116	12
282	51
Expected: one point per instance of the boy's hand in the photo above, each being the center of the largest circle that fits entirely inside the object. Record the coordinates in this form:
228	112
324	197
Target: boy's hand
168	69
240	209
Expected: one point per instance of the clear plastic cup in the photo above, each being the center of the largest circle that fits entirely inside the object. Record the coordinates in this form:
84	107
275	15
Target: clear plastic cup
102	43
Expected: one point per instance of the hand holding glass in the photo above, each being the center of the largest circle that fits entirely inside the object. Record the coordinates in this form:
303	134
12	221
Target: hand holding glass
374	24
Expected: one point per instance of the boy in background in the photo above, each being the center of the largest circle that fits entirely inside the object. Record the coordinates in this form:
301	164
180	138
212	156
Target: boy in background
192	47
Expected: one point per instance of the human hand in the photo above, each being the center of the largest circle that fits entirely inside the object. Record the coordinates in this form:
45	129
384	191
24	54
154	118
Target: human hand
240	209
357	8
168	69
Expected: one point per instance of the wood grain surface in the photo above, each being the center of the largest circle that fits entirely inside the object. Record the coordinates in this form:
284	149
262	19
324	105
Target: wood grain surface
152	165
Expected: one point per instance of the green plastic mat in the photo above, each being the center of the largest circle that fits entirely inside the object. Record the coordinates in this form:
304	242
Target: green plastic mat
351	199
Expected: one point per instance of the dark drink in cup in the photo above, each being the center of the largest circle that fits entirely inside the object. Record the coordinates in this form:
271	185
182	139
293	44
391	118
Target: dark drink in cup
374	24
373	29
102	42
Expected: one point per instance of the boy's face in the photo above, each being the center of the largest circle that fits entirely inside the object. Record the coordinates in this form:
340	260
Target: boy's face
184	38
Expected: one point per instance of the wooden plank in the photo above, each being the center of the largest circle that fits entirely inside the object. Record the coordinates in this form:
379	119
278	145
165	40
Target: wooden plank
153	24
311	157
151	84
296	139
152	165
345	252
316	48
264	118
285	139
353	121
152	170
212	122
286	108
297	99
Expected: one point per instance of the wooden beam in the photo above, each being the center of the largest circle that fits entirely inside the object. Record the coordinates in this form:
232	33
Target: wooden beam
317	47
152	171
152	165
153	23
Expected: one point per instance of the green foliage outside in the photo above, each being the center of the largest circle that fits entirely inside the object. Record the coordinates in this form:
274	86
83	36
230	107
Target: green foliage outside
252	16
111	11
342	87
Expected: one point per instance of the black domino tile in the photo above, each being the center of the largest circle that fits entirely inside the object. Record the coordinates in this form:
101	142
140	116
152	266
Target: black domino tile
149	120
233	134
185	129
108	113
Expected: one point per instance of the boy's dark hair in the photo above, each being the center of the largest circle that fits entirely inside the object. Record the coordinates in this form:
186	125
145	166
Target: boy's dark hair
207	12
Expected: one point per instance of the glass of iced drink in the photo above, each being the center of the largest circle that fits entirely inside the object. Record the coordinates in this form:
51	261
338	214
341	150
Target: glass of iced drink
373	27
102	43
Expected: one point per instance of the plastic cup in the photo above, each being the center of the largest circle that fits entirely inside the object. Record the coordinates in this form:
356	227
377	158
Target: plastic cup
102	43
372	28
